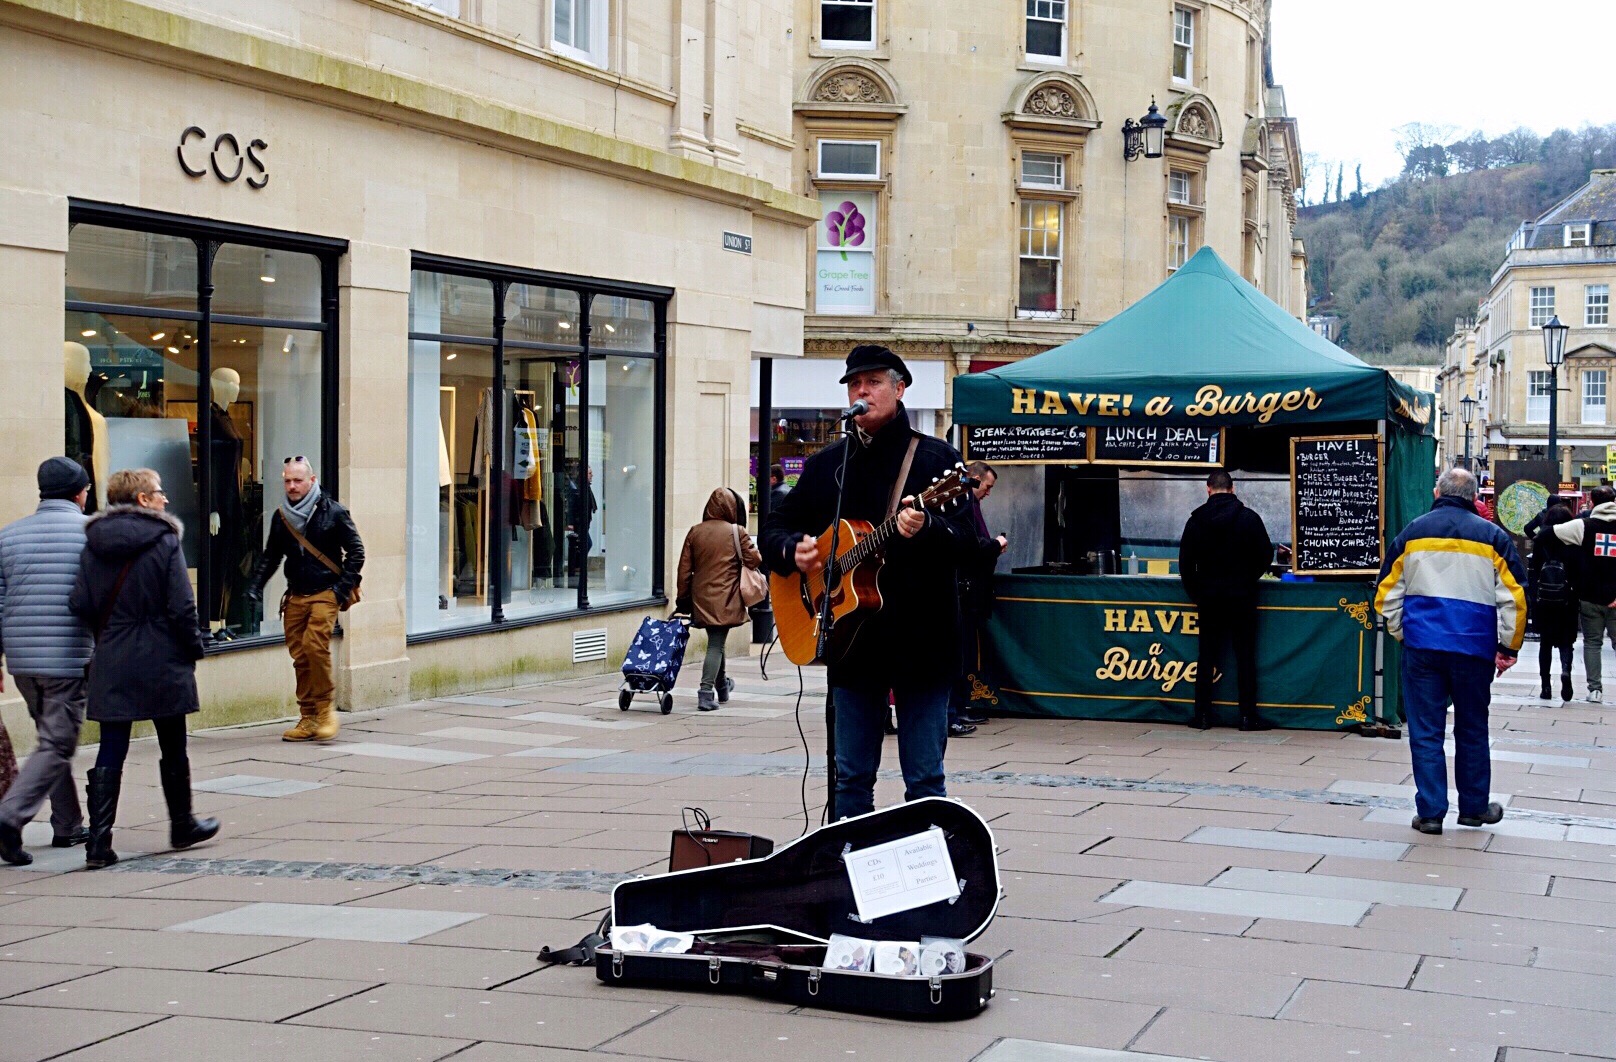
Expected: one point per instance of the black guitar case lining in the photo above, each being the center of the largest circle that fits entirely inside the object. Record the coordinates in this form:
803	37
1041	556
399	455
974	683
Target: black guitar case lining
762	925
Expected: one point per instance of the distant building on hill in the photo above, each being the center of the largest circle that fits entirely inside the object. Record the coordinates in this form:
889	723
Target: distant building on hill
1561	264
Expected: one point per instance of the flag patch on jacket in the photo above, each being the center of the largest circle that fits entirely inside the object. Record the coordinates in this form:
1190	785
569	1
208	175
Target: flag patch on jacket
1604	545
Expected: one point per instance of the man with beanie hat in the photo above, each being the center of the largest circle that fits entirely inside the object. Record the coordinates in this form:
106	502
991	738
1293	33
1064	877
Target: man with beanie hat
45	647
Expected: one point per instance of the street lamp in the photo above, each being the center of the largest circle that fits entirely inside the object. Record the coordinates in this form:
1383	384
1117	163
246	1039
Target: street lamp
1144	137
1554	341
1467	413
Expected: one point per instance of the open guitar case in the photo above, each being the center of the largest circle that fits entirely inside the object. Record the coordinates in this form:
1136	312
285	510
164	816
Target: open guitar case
762	925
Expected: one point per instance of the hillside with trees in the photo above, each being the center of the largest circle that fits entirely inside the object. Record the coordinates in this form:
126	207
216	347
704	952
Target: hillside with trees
1398	263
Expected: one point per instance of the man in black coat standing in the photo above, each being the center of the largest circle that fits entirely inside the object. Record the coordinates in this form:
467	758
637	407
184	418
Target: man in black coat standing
315	535
910	647
1223	552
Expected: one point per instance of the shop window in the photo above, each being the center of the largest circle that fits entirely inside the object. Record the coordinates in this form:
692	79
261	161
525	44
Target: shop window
579	29
1540	307
847	23
844	266
1594	383
1046	30
1038	293
1184	43
1537	396
545	499
1596	305
211	393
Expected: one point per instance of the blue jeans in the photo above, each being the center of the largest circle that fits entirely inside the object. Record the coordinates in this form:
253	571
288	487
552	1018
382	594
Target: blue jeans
1431	678
861	716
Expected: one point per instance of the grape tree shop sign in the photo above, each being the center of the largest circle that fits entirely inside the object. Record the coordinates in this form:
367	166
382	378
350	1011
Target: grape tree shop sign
844	264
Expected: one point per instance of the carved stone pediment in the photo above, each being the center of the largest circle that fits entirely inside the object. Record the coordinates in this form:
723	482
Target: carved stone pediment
850	87
1052	101
1193	122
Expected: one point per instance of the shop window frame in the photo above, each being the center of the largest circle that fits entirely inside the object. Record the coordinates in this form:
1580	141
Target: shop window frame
587	289
208	235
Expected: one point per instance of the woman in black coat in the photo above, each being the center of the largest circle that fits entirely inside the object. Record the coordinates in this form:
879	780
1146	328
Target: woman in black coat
1554	601
134	594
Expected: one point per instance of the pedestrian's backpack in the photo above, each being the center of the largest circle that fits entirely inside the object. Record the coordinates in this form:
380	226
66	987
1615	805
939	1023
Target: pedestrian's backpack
1553	584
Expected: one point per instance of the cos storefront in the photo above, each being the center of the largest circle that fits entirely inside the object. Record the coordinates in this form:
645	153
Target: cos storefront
434	323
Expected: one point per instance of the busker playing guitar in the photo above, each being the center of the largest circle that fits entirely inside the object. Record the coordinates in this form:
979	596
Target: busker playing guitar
910	646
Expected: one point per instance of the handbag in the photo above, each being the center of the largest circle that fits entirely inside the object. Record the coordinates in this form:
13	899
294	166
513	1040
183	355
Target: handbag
704	846
754	587
336	569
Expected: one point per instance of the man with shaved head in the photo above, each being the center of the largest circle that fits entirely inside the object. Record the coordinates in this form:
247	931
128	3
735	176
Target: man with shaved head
320	546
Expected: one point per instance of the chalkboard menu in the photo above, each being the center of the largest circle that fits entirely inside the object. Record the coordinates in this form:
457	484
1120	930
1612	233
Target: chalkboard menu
1062	444
1158	444
1336	505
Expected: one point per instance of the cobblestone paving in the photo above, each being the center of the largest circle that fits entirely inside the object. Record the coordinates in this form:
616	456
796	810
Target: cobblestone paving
1168	894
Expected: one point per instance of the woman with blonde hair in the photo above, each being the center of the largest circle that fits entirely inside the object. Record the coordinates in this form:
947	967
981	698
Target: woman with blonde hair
134	594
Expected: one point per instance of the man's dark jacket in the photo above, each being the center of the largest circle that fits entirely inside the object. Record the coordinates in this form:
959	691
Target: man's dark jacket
914	639
1224	551
331	531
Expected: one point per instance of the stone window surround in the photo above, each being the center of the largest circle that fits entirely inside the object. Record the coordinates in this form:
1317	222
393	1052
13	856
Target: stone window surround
1038	60
883	134
1193	162
604	54
1050	113
1197	59
877	49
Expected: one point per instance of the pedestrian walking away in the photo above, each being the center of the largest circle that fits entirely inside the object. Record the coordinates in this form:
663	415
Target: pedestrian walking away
1554	605
1594	539
1452	591
134	592
909	649
320	546
976	598
709	586
1222	553
45	647
777	485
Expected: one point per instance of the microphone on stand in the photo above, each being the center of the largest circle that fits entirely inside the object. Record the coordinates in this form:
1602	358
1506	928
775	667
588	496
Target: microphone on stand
857	409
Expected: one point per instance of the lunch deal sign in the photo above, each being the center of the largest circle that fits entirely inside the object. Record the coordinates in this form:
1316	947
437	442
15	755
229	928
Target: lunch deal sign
844	264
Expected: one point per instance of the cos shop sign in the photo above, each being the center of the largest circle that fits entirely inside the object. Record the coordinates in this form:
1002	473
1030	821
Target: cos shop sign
225	158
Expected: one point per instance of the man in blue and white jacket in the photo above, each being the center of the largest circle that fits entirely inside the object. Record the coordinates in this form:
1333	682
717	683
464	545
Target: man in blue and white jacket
1452	591
46	647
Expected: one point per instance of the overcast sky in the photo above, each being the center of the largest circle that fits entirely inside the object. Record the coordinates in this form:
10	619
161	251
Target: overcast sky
1353	72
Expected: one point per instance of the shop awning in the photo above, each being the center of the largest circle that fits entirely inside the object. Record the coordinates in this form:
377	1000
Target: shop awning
1203	348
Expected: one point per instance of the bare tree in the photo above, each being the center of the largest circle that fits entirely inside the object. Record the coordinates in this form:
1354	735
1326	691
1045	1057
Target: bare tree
1516	146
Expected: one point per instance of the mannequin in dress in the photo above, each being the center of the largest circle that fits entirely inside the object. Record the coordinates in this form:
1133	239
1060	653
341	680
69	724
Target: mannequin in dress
225	518
87	441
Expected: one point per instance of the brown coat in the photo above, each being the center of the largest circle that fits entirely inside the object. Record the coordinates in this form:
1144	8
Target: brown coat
709	588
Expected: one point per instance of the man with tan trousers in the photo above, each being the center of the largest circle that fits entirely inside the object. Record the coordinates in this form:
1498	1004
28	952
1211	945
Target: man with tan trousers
317	539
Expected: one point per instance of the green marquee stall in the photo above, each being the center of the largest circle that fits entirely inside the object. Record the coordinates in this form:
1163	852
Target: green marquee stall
1204	350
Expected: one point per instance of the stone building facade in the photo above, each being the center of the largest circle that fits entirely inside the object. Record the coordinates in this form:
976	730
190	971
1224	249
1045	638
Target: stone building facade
1560	264
497	269
982	156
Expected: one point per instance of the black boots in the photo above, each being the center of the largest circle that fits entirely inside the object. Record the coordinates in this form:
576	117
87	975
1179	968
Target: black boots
103	800
1565	688
184	829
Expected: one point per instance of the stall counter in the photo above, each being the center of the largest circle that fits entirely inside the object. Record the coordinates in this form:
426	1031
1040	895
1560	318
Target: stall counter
1125	647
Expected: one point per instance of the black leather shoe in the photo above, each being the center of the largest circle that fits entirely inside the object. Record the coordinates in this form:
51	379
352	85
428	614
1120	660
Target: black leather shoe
1494	813
1252	722
1427	825
11	849
68	840
1199	722
972	720
960	730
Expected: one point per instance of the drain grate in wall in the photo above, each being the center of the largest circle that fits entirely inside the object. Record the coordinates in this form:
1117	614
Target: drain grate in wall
588	645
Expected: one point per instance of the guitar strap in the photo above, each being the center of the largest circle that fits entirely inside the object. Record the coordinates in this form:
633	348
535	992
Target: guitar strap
903	476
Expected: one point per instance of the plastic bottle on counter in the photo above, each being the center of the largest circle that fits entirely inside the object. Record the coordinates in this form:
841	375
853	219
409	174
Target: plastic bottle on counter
1133	562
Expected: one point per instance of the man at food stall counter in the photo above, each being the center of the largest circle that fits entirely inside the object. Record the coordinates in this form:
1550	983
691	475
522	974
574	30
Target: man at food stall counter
1595	535
976	598
910	647
1222	553
1452	591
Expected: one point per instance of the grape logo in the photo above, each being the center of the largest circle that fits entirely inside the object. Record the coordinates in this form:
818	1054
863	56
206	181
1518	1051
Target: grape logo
844	227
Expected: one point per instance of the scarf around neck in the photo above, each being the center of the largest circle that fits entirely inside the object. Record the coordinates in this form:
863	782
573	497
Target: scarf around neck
298	515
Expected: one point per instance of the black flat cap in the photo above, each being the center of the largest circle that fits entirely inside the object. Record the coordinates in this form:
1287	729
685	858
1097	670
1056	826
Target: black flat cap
869	356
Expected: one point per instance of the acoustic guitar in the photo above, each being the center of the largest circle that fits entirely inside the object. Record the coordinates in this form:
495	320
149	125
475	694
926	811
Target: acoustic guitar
854	573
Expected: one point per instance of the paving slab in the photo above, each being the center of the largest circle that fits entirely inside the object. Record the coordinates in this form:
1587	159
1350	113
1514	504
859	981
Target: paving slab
1300	908
1276	881
27	1038
197	993
1014	1050
1276	841
329	923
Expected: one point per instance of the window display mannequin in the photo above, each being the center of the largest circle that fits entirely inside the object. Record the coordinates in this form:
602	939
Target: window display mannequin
86	438
225	530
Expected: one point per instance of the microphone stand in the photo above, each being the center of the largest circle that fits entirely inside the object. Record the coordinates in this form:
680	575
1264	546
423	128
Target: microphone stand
826	620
